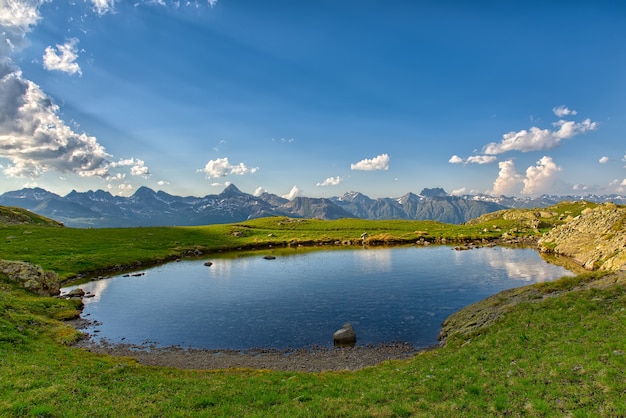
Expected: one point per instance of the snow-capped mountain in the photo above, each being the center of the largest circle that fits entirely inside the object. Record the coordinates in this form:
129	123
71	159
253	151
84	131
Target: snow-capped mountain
149	208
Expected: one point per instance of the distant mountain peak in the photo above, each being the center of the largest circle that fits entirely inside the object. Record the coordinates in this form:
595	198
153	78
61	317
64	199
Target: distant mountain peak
353	196
143	191
231	190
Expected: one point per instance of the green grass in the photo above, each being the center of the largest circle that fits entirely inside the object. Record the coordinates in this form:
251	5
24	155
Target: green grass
563	355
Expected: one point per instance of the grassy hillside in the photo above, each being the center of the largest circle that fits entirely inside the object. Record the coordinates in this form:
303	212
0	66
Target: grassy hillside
15	216
556	349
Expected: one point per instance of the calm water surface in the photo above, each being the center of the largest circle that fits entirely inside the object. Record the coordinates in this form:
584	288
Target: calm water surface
299	300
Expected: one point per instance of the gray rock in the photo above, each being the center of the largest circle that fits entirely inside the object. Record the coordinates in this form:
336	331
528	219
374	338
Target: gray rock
76	293
345	335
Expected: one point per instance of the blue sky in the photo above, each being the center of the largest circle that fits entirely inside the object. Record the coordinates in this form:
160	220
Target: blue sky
313	98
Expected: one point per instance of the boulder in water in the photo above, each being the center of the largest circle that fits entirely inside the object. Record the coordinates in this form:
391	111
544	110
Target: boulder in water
345	335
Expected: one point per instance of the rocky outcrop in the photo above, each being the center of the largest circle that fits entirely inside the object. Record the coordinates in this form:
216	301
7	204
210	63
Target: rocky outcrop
596	239
31	277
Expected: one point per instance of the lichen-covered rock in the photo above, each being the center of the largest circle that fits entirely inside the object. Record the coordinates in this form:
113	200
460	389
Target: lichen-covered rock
596	239
31	277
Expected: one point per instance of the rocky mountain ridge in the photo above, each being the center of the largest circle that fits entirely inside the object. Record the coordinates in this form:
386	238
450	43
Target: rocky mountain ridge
149	208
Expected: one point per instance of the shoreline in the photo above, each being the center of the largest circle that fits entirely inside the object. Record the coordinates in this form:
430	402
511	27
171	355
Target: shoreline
304	359
312	359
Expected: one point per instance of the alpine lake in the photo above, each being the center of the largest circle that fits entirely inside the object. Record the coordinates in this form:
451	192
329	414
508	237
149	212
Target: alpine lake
300	297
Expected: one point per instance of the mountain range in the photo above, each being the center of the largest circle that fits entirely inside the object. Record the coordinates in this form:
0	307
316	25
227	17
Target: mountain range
146	207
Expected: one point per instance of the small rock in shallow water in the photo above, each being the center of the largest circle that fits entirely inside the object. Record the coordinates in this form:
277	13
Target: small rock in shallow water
345	335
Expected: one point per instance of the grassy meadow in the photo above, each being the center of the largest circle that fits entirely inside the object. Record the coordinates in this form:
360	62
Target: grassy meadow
562	354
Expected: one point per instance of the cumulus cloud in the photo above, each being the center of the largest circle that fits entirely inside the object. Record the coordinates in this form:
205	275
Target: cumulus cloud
259	191
481	159
221	167
330	181
537	139
293	193
35	139
474	159
509	181
603	160
63	58
137	166
562	110
377	163
541	178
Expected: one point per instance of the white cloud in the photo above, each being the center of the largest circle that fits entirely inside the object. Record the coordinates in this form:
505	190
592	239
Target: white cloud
66	61
481	159
603	160
140	169
377	163
293	193
103	6
117	177
509	181
259	191
623	183
163	182
459	192
36	140
539	139
561	111
541	178
331	181
474	159
137	166
212	3
16	19
221	167
455	159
